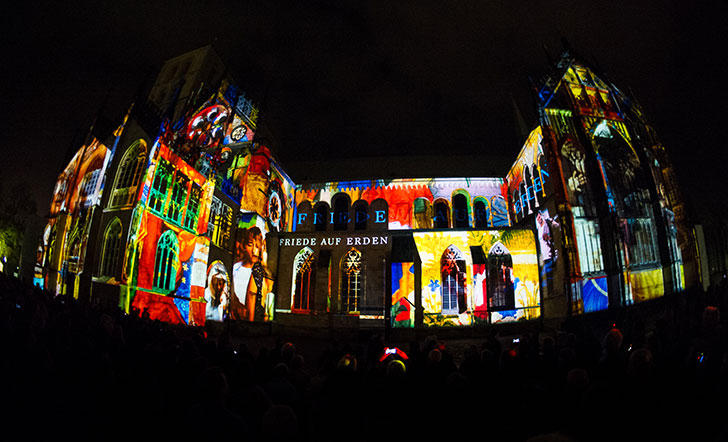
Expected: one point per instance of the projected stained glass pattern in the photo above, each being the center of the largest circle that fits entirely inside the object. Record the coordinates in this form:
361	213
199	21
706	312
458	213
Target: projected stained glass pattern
479	275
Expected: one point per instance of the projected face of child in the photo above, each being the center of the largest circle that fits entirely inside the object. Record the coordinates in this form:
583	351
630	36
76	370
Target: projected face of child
217	285
250	247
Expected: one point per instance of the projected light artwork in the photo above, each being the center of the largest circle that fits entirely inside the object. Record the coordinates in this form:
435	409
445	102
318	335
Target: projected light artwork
180	213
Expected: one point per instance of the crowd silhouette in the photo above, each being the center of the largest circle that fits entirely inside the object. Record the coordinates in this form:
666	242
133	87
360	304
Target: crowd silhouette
72	368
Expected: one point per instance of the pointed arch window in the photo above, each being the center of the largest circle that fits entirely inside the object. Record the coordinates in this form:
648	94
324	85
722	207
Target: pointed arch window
73	252
129	174
111	248
193	207
88	186
351	281
220	224
304	279
452	270
499	282
178	201
166	262
160	186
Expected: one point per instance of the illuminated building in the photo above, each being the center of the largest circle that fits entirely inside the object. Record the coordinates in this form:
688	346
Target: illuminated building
183	215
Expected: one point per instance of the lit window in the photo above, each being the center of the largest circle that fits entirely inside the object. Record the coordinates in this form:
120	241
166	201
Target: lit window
193	207
351	281
128	175
178	202
166	262
88	185
452	269
221	222
73	252
304	280
588	244
160	186
111	248
499	282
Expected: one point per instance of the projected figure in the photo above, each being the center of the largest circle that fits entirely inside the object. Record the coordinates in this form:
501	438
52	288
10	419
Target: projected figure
249	251
544	226
216	292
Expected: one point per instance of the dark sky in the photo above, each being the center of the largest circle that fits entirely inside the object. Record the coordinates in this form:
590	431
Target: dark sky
343	79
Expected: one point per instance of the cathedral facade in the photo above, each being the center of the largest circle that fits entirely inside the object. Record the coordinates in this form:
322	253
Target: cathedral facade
179	213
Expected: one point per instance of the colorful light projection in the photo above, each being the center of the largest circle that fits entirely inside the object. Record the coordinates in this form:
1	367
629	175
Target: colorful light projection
79	185
592	293
591	95
549	237
421	203
217	292
479	276
252	297
403	295
167	252
77	189
529	182
170	275
629	199
203	136
245	118
265	188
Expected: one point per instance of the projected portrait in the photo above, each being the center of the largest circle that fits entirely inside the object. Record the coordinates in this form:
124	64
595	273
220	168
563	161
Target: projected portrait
217	293
247	274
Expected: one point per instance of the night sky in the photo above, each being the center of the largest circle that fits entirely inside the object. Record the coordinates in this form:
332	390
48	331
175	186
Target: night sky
360	79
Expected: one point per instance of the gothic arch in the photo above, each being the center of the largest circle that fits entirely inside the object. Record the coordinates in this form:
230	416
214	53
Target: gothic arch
303	282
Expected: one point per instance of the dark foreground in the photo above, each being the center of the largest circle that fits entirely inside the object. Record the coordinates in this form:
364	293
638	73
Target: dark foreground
653	372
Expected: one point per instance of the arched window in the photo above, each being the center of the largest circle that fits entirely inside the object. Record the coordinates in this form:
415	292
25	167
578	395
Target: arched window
499	211
340	206
461	217
540	181
423	213
351	281
73	252
379	215
52	241
111	249
178	202
193	207
89	183
303	280
499	282
528	196
452	270
129	174
480	214
160	186
304	217
166	262
361	214
441	215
